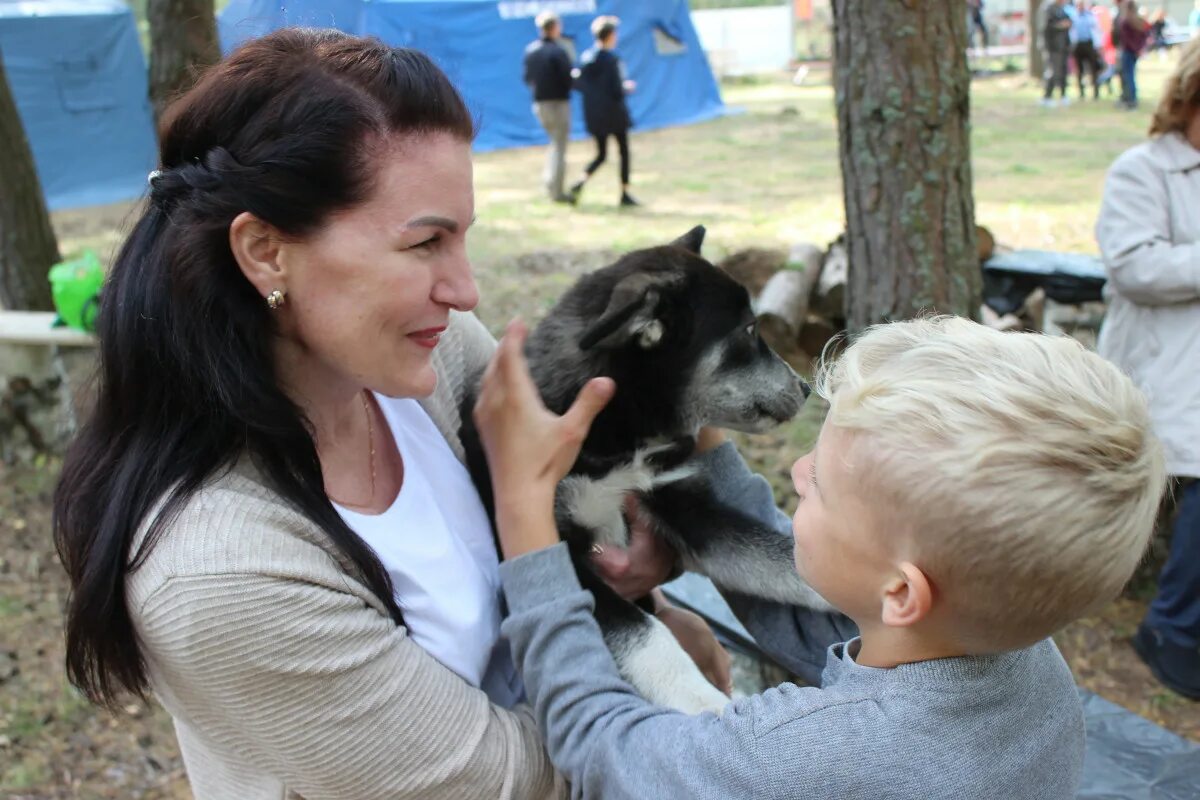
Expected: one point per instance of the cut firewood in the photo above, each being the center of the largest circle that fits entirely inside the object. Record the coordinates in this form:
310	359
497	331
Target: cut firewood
784	300
754	266
830	299
815	335
1008	322
987	243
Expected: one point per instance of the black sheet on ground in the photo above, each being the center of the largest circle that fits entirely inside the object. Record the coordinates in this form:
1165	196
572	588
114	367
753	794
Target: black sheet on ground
1128	757
1009	277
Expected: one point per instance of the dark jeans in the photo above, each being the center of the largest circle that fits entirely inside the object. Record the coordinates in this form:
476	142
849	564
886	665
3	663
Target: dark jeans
977	24
1176	610
1129	77
602	153
1087	60
1056	64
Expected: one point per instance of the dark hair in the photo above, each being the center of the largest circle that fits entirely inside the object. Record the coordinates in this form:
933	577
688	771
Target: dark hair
604	27
282	129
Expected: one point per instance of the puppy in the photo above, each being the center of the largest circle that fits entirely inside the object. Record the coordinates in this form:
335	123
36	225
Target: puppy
681	341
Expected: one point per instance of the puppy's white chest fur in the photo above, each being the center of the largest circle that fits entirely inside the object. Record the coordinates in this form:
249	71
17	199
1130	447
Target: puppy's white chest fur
596	504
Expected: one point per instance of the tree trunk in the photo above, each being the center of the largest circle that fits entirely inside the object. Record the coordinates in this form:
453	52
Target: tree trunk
1033	41
902	93
183	42
27	245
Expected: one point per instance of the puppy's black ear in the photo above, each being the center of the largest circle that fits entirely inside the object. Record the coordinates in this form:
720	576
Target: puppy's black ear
691	240
631	313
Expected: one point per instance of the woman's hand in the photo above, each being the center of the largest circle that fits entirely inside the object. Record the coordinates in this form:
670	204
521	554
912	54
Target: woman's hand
529	448
698	641
647	562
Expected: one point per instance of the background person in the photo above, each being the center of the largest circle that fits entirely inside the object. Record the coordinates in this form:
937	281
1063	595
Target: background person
603	84
1134	33
1085	40
1056	35
1149	235
548	76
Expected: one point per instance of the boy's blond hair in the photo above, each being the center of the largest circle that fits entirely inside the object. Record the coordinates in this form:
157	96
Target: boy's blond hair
1018	471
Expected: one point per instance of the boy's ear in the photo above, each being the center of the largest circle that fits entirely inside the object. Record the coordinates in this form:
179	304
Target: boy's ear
908	598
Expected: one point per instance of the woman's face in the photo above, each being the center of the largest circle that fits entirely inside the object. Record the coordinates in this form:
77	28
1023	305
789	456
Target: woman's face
370	292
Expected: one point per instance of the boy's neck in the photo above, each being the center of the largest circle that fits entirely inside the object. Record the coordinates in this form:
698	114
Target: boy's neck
885	647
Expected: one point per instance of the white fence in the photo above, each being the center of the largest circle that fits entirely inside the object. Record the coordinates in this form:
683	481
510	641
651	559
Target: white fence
741	41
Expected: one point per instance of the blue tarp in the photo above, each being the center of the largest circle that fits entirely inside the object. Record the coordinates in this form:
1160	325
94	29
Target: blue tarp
78	75
480	44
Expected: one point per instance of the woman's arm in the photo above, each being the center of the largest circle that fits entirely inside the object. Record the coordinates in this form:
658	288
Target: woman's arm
300	678
1134	234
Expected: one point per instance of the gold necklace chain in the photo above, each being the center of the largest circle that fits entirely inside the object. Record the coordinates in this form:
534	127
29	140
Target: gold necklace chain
370	455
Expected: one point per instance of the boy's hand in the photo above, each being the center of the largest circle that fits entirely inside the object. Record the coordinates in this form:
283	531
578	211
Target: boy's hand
529	448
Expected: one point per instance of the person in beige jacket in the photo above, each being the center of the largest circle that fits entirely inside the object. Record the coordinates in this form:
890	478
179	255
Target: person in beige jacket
265	521
1149	236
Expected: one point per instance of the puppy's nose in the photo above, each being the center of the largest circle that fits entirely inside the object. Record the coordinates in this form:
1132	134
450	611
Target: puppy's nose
805	389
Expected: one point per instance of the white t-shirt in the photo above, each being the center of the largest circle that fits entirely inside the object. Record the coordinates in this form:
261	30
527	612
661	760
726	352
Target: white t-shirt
435	541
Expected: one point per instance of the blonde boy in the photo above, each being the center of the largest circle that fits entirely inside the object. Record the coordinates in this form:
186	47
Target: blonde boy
971	492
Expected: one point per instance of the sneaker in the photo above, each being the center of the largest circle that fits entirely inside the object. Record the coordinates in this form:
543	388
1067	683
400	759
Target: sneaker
569	199
1064	101
1046	102
574	191
1175	666
627	200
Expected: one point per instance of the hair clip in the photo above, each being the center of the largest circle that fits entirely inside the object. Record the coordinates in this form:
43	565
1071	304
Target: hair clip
153	177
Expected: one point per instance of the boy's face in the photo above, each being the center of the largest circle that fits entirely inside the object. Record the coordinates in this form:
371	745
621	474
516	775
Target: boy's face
838	550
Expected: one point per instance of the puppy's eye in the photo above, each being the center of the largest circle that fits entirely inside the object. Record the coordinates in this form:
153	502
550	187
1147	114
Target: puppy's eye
752	329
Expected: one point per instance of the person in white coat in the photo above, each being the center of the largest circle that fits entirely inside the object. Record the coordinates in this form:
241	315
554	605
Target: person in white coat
1149	236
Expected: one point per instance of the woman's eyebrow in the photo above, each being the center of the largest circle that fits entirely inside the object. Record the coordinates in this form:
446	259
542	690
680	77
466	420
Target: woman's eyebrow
434	222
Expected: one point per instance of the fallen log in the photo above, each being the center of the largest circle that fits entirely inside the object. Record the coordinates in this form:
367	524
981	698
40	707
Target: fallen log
783	302
830	299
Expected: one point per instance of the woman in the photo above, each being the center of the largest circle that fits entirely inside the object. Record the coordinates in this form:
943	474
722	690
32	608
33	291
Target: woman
603	85
1134	33
1149	234
260	521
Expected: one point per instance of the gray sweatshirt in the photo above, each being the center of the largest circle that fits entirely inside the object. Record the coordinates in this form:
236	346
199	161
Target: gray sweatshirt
1005	726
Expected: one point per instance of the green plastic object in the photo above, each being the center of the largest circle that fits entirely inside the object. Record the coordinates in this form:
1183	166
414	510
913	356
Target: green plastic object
75	285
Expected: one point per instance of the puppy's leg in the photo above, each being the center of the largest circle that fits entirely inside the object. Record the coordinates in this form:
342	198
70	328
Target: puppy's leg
647	654
651	660
733	550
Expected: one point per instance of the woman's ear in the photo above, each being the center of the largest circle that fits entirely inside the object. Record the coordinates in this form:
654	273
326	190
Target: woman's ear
908	598
255	246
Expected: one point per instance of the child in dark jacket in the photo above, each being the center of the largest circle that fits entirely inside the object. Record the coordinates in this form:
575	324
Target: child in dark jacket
603	85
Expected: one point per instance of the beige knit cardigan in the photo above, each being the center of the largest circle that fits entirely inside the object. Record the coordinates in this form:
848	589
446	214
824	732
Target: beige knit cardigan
287	678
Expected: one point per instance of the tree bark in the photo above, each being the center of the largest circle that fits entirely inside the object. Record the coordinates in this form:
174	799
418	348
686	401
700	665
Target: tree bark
902	93
1033	40
27	245
183	42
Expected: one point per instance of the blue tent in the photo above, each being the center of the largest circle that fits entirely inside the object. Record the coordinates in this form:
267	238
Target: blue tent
79	79
480	45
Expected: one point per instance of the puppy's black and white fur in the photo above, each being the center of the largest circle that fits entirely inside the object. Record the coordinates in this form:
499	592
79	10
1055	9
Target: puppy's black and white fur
679	338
